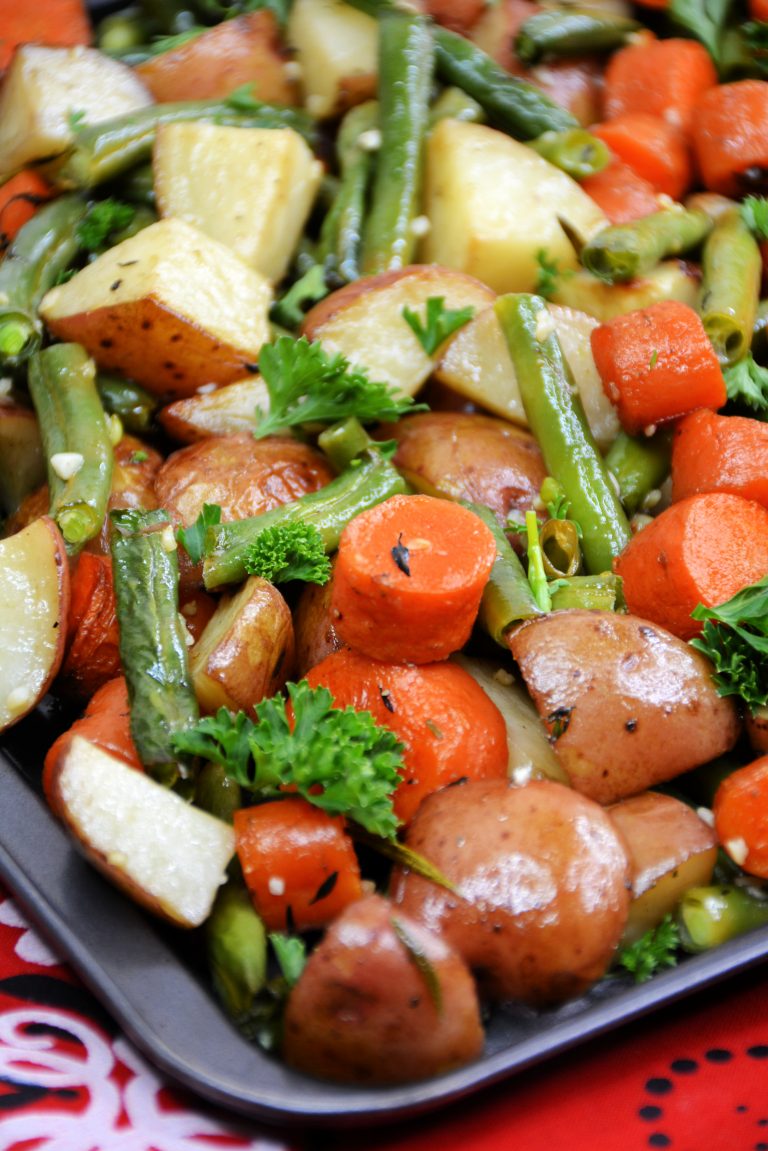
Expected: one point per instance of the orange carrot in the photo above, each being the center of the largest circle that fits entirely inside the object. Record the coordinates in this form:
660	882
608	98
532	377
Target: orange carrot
702	549
93	655
662	77
712	453
448	725
657	364
104	722
56	22
730	134
621	193
409	578
653	148
758	9
20	198
741	815
298	863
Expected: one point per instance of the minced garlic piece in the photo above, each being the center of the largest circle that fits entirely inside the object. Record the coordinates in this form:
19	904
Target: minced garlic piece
67	464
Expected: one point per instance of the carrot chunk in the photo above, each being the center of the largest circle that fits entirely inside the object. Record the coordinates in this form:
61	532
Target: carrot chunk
298	863
741	816
621	193
448	725
661	77
712	453
20	197
730	135
409	578
653	148
54	22
702	549
657	364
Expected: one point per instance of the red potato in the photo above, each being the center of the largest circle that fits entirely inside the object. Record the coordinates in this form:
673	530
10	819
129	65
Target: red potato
22	466
542	886
225	412
467	456
627	704
314	629
364	1010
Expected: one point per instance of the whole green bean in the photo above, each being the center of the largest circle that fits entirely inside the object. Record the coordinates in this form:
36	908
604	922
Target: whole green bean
507	597
405	81
42	250
575	151
556	418
78	450
341	234
731	271
640	465
561	32
623	251
710	916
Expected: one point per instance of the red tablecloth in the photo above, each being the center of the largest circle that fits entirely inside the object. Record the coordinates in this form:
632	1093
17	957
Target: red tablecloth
693	1078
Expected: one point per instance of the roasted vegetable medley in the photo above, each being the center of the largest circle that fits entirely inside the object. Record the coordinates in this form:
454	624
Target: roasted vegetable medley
383	471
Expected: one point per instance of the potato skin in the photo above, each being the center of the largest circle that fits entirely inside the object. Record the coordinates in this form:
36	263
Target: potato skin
627	704
543	886
362	1012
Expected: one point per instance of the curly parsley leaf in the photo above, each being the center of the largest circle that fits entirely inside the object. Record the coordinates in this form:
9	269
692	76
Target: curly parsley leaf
754	213
340	760
654	951
291	955
306	385
292	551
192	539
746	382
101	220
735	638
309	289
440	323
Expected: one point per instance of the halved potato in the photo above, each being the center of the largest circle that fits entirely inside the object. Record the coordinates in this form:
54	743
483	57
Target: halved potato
45	87
166	854
170	308
364	320
249	188
34	576
22	464
494	203
337	51
225	412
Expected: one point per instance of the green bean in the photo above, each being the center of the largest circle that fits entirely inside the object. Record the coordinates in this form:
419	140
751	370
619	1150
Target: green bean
122	32
342	229
137	186
454	104
710	916
556	418
371	480
560	549
587	593
623	251
575	151
571	32
405	78
640	465
343	442
153	647
731	270
76	441
236	945
507	598
106	150
42	250
135	406
217	793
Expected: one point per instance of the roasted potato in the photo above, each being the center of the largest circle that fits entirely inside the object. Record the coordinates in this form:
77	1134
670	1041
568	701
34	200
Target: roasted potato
313	622
222	412
336	49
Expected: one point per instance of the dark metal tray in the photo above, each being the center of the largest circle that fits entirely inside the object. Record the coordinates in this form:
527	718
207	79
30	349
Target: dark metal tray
150	979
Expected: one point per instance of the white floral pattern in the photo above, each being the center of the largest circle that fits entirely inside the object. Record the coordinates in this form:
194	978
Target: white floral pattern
29	946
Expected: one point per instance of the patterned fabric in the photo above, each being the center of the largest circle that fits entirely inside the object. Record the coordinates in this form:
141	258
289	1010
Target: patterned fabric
694	1078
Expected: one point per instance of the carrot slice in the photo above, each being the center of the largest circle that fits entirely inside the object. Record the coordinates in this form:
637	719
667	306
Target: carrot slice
730	135
656	364
20	197
712	453
449	726
653	148
702	549
55	22
662	77
298	863
621	193
409	578
741	816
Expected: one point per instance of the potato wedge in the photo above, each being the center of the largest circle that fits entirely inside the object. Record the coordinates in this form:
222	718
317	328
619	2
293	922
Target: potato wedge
313	625
225	412
169	856
627	705
493	204
34	576
337	51
246	651
45	87
364	320
22	464
669	280
670	849
249	188
170	308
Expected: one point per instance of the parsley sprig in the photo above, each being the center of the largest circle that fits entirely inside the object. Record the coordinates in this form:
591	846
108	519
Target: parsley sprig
292	551
306	385
192	539
735	638
340	760
652	952
439	323
746	383
754	213
102	219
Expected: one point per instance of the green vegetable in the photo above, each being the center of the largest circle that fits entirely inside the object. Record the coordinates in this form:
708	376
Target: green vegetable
755	40
507	597
192	539
654	951
731	270
414	949
289	309
735	638
536	575
291	955
341	234
308	386
640	465
710	916
340	760
236	947
102	219
622	252
548	274
440	323
293	551
575	151
754	213
571	32
746	382
134	405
